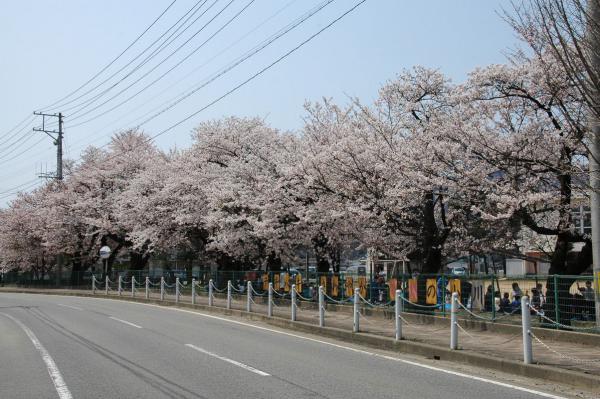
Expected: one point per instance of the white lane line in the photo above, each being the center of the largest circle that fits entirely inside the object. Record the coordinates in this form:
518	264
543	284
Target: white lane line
228	360
438	369
69	306
125	322
55	375
364	352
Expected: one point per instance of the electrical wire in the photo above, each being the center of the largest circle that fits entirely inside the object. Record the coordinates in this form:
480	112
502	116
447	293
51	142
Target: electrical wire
3	162
84	104
159	94
254	76
55	104
249	54
27	120
22	140
260	72
19	186
257	49
231	20
22	189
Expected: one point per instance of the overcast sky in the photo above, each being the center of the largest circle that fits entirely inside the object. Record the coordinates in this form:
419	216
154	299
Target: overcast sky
51	47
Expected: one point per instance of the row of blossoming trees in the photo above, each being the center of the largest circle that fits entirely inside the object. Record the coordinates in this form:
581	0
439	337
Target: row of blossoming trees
431	170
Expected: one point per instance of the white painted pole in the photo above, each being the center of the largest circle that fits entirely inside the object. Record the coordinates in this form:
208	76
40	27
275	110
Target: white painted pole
162	288
249	298
228	294
321	307
106	286
210	292
526	322
176	289
355	324
132	287
294	302
193	291
147	287
454	322
119	286
398	311
93	285
270	299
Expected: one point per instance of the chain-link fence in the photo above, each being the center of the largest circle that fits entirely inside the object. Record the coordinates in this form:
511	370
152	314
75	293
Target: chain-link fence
557	300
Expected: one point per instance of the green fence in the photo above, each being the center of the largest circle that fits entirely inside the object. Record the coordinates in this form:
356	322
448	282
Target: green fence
556	300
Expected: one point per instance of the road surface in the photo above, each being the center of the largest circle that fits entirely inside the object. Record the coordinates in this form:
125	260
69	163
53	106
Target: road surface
69	347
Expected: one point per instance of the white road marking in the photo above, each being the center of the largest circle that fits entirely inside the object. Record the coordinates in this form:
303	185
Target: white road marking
441	370
125	322
55	375
226	359
364	352
69	306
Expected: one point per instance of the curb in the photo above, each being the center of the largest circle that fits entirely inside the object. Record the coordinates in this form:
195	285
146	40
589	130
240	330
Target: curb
555	335
557	375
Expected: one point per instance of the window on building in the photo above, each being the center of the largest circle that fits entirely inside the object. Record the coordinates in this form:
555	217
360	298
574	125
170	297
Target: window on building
582	219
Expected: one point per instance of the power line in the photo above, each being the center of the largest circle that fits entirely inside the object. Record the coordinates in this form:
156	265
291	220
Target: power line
22	189
22	152
160	106
21	141
26	120
72	118
251	78
114	59
19	186
158	78
255	50
260	72
195	8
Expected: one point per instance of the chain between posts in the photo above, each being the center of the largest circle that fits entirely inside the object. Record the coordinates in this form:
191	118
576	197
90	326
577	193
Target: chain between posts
419	305
567	357
461	328
560	324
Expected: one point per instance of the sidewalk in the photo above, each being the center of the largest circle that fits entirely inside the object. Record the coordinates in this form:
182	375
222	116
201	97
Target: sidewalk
574	356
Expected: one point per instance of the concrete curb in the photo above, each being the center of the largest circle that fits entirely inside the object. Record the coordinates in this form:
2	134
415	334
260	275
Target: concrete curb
554	374
467	323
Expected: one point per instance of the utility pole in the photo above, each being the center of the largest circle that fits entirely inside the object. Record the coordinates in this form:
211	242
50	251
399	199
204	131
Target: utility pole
594	49
57	137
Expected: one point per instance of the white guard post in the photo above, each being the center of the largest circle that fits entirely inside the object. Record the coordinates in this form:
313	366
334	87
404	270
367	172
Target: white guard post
147	287
398	312
249	298
132	286
355	324
454	322
176	289
294	302
321	307
119	288
526	322
106	286
270	299
193	291
162	288
93	285
228	294
210	292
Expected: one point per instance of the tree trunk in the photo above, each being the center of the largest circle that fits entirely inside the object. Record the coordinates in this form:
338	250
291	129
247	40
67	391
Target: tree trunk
77	270
431	248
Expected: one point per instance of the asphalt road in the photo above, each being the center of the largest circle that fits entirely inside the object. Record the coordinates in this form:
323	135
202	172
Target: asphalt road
62	347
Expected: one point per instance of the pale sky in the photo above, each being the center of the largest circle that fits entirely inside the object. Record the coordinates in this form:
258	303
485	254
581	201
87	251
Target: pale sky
51	47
